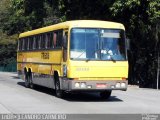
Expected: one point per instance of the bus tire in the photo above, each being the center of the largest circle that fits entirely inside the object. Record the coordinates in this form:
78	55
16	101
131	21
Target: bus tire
31	85
59	92
26	79
105	94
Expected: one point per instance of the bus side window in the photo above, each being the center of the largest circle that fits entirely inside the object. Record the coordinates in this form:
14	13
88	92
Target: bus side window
60	37
30	43
20	45
33	44
39	42
36	42
43	41
65	40
50	41
46	40
54	40
26	43
23	44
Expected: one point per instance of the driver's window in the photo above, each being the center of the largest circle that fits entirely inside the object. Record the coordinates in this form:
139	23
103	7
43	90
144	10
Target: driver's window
65	44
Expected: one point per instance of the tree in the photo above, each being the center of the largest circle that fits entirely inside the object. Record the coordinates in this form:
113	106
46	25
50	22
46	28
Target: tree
24	15
86	9
141	18
52	12
7	43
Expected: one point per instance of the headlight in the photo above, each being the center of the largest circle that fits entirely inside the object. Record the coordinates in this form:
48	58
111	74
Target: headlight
77	85
83	85
123	85
118	85
65	70
89	86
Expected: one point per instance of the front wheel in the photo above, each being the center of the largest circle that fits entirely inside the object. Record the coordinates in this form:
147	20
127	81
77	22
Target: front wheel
59	92
105	94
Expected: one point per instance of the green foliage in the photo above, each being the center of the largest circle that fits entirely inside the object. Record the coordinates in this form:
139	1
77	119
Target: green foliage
4	6
7	43
86	9
24	15
52	13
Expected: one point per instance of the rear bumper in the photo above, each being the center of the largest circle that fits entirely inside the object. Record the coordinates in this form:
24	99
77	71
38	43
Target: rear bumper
92	85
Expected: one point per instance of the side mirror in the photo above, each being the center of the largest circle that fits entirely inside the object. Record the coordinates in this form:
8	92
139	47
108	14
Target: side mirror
128	44
65	42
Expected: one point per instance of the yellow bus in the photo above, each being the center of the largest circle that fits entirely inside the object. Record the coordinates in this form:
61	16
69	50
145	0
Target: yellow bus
73	56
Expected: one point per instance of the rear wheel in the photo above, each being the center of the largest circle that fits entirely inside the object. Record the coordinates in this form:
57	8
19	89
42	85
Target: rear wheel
59	92
26	79
105	94
31	81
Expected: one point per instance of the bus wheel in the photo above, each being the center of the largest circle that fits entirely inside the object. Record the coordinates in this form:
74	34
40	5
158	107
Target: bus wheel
31	85
105	94
26	79
59	92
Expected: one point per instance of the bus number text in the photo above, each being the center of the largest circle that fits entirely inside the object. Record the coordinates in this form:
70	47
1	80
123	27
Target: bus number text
45	55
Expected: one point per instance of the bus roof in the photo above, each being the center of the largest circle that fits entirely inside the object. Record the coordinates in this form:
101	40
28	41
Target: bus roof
74	23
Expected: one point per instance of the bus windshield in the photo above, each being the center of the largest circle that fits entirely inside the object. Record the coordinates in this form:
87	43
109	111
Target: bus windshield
97	44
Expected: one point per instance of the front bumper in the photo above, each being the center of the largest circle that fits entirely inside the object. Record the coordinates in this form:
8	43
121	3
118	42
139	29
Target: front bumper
92	85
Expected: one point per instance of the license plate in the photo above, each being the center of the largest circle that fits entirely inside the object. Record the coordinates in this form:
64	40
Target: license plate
101	85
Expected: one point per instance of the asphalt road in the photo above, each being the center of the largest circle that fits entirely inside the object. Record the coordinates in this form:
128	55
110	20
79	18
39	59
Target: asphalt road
15	98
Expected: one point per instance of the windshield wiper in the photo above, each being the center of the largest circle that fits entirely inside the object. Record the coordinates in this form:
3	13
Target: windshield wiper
112	58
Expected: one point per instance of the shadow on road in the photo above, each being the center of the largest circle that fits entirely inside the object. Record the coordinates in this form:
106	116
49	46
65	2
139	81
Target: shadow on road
15	77
40	88
75	97
89	97
21	83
